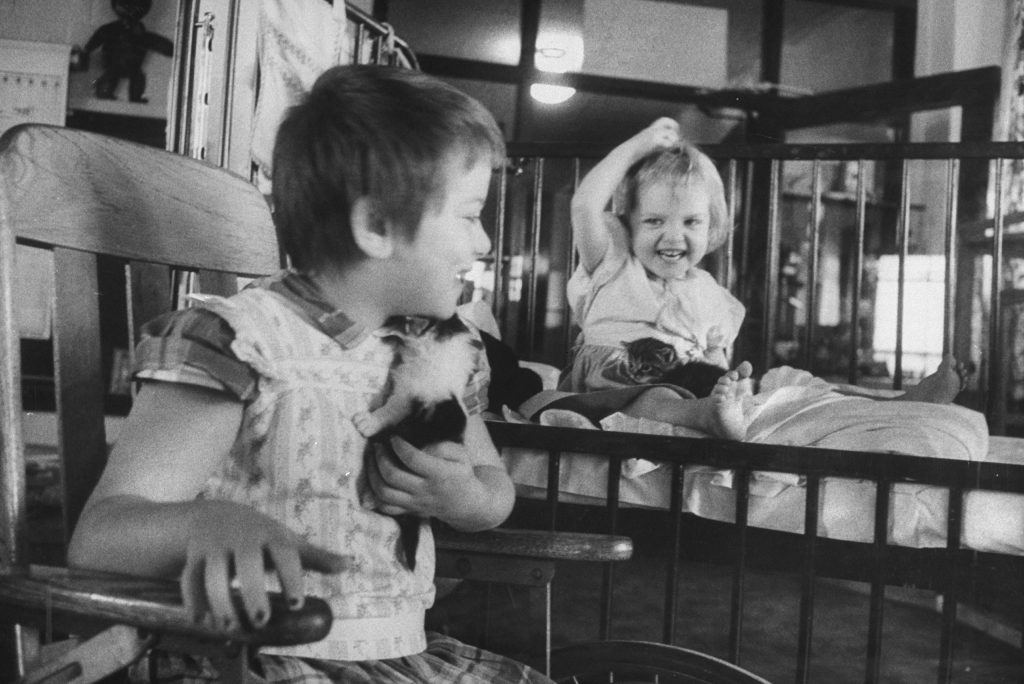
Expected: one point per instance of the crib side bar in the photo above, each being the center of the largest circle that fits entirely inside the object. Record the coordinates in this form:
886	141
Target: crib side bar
954	528
860	221
608	575
996	395
807	576
876	604
771	281
811	317
949	306
903	246
672	576
739	575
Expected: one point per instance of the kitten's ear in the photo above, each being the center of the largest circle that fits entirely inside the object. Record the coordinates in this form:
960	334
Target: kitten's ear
370	230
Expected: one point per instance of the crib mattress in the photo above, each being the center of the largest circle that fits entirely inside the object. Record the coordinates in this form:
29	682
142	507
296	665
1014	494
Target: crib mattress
993	521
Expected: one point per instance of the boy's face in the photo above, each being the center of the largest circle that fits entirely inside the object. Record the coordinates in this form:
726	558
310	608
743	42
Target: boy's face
450	237
669	227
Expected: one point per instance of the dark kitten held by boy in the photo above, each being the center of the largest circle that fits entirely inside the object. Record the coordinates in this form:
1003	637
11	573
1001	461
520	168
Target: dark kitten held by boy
433	363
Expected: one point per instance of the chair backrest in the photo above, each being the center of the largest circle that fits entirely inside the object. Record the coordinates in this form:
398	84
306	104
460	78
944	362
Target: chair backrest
85	197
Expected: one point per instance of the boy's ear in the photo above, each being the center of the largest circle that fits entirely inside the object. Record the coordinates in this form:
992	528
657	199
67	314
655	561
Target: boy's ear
371	232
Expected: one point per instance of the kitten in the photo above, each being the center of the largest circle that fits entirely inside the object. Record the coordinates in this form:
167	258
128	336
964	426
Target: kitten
428	377
649	360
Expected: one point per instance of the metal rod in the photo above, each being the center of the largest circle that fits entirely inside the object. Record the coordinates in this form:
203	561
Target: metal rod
806	627
902	241
771	285
612	507
877	600
739	576
500	297
954	526
949	308
996	409
531	300
672	579
811	313
858	274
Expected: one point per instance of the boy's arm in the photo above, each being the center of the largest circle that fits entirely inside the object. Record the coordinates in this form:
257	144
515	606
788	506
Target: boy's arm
590	200
143	517
464	485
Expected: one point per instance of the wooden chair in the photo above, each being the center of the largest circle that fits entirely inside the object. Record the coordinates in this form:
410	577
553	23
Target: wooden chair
167	222
83	196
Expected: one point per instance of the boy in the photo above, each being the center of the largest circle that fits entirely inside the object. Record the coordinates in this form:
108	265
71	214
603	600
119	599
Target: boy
240	454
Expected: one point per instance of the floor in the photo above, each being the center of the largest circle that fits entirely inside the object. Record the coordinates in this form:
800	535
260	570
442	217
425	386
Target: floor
911	624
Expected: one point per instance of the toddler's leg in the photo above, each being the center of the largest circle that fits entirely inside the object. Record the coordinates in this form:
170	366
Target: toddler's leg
720	414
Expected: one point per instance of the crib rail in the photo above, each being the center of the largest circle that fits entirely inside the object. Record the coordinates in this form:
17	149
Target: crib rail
954	571
814	227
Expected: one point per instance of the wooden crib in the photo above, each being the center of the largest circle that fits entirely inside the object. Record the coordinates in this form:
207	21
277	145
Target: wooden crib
826	237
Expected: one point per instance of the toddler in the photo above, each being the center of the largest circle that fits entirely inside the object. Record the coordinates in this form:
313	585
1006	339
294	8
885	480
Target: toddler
638	274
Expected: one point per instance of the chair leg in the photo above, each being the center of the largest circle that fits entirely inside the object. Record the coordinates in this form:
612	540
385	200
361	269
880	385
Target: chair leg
103	654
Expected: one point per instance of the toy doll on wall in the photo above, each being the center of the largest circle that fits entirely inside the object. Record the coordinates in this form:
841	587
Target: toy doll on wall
125	43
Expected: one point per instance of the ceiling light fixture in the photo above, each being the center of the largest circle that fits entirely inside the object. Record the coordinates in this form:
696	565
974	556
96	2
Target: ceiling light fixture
557	53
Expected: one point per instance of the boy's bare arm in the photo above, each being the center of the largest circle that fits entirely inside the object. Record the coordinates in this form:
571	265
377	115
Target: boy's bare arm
143	517
465	485
590	200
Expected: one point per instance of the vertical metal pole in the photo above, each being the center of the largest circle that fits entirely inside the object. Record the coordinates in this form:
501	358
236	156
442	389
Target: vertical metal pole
531	301
771	274
500	298
996	396
877	601
902	240
949	308
811	315
858	274
742	480
806	627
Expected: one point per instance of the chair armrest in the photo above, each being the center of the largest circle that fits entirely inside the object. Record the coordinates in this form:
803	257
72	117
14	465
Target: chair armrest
81	601
538	544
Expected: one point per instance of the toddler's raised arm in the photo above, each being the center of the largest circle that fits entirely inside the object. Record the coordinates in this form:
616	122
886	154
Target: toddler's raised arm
595	190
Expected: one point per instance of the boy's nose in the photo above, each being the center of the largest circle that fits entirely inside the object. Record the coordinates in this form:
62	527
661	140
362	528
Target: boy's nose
481	243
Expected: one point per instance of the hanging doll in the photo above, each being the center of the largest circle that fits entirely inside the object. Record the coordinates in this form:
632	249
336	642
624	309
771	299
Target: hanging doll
124	44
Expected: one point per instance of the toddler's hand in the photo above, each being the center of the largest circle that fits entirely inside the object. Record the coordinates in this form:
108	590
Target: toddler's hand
663	134
716	338
233	545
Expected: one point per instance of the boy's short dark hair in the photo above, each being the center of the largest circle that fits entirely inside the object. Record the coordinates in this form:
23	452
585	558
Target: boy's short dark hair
383	133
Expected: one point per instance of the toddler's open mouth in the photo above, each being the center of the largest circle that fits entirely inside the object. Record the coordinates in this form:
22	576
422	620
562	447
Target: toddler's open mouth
672	254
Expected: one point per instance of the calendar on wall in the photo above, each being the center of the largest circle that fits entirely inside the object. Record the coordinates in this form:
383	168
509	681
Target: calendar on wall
33	88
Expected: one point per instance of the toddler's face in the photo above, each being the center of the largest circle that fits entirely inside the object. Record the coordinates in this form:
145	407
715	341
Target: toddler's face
450	237
669	227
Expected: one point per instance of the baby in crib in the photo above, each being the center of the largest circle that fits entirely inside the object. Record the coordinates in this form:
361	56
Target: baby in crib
638	275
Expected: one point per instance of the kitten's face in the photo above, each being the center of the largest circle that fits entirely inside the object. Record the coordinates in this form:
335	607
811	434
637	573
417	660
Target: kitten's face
648	359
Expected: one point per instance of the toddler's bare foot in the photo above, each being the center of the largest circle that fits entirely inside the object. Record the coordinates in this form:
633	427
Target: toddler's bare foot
728	420
942	386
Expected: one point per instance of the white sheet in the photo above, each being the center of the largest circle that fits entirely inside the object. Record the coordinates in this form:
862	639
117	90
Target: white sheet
994	521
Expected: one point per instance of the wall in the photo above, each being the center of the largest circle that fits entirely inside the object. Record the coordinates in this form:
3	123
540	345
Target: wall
72	22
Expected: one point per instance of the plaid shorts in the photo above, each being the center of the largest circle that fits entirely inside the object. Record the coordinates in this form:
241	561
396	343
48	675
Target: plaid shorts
444	660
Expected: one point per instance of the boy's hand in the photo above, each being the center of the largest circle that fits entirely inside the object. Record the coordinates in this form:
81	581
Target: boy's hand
434	482
231	549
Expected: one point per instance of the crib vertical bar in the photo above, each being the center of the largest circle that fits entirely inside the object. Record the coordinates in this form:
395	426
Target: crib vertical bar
902	231
949	308
744	256
771	284
954	526
570	263
359	43
554	478
877	601
531	302
996	395
858	274
806	628
500	299
729	247
742	481
810	317
612	506
672	579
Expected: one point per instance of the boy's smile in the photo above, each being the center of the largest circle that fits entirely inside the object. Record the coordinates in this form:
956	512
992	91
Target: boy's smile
450	237
669	228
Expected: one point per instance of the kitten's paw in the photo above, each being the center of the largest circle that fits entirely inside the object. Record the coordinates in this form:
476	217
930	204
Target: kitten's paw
366	424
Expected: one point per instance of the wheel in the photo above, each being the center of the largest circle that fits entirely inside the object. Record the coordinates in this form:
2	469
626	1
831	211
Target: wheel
643	661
